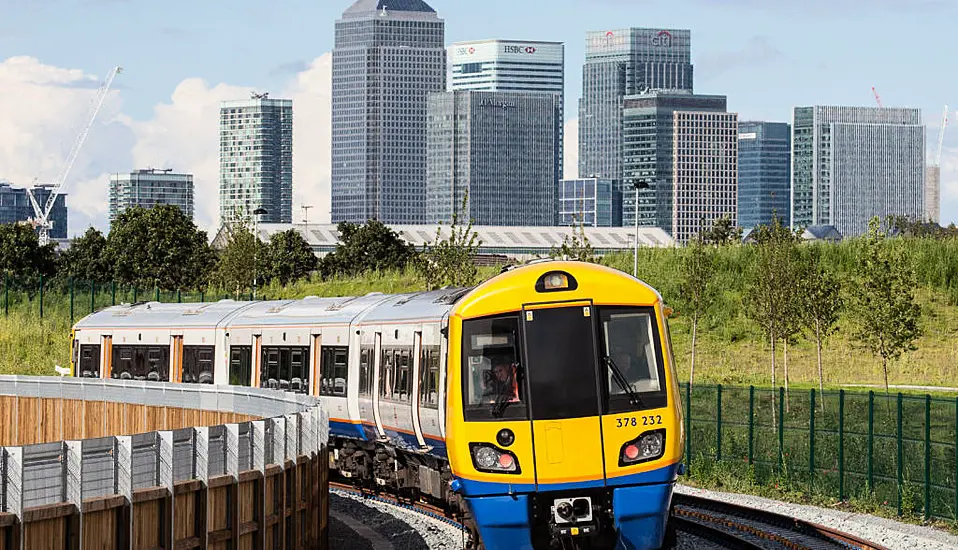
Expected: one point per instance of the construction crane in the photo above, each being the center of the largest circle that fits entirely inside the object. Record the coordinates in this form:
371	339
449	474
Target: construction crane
877	98
941	138
42	215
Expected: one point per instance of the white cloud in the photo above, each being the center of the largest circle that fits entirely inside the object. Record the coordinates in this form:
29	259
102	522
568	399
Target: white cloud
570	162
44	108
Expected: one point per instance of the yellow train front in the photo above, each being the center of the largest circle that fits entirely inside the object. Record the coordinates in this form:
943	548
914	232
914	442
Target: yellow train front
564	425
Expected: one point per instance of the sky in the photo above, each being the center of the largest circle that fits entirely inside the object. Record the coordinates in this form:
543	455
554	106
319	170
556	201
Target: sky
181	58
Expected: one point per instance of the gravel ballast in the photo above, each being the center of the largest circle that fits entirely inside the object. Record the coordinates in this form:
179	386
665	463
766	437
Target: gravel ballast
360	524
889	533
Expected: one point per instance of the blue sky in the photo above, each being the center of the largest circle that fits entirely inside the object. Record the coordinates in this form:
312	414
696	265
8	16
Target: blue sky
766	55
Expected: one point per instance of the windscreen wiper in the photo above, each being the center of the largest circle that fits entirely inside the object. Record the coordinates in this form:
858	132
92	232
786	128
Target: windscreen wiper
620	378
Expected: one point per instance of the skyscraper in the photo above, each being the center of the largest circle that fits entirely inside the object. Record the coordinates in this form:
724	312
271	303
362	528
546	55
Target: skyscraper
649	160
508	66
764	172
850	164
256	159
592	202
389	55
619	63
150	187
500	148
933	194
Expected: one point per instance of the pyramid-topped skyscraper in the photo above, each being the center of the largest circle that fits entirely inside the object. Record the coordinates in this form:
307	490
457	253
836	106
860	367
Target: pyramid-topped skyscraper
389	55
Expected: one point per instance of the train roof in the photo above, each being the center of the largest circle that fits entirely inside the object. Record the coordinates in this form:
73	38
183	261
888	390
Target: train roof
372	308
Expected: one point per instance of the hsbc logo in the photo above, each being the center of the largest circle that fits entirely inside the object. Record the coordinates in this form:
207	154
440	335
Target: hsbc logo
662	40
465	51
519	49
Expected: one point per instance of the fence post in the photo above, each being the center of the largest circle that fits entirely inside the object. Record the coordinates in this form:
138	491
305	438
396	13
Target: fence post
781	430
811	436
871	442
41	295
71	301
841	445
123	461
113	292
156	293
927	457
92	296
751	425
134	294
179	297
202	296
6	294
718	418
688	427
901	458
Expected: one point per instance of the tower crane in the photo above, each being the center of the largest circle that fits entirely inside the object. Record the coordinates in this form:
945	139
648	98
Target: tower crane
877	98
42	215
941	138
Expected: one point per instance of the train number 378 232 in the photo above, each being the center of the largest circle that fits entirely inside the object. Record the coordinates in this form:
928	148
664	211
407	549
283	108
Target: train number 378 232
633	421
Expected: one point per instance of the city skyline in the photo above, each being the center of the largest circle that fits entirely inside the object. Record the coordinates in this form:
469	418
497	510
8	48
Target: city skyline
164	106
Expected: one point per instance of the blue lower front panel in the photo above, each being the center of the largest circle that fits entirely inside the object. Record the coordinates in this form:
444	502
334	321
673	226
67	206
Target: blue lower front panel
641	514
503	522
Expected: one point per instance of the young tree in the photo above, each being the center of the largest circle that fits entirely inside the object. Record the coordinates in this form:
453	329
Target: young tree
575	247
885	309
770	291
723	232
451	261
289	257
822	303
366	247
697	287
242	262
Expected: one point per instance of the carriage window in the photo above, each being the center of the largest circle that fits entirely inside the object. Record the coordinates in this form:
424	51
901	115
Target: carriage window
429	377
630	343
285	368
492	373
386	373
198	364
241	368
403	383
88	364
334	369
365	371
395	371
141	363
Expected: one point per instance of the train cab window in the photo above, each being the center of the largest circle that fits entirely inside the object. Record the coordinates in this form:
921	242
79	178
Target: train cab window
285	368
429	377
141	363
334	368
492	373
365	372
631	349
88	362
198	364
241	365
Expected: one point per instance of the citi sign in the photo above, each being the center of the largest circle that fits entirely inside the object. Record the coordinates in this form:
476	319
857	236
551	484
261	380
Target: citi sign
519	49
662	40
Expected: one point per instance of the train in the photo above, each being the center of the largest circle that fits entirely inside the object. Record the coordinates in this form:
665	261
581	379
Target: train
542	407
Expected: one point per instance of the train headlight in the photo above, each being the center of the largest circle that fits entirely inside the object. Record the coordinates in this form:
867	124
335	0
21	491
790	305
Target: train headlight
493	460
648	446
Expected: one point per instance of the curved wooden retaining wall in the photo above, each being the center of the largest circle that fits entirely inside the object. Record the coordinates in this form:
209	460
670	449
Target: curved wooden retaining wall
259	481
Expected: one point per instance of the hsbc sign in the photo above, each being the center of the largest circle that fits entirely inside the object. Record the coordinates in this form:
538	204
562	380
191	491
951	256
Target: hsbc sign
512	48
465	51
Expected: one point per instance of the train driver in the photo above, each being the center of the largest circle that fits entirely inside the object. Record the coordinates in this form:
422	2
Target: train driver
500	381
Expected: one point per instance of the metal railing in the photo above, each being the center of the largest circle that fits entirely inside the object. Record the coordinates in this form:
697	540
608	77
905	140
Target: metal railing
899	450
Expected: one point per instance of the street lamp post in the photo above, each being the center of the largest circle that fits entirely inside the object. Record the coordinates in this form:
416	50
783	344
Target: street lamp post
256	218
635	266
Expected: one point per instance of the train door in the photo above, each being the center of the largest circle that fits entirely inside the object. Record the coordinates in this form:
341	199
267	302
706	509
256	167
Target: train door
561	367
364	346
416	379
378	383
107	371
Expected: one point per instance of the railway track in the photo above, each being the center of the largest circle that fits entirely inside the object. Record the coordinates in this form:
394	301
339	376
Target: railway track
723	524
736	526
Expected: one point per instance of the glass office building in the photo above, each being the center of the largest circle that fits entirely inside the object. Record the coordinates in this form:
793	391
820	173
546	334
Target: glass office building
850	164
256	159
147	188
648	154
15	206
388	57
620	63
592	202
500	148
764	173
